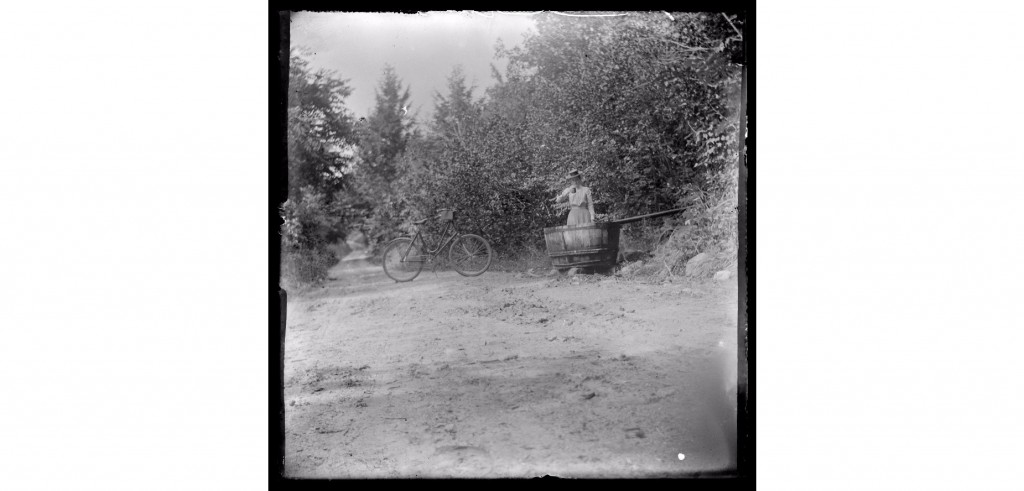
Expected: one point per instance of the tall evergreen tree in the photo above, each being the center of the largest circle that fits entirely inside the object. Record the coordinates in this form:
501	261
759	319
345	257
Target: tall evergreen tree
382	144
455	112
386	133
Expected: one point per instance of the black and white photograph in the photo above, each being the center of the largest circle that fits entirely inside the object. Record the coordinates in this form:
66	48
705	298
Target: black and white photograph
511	244
253	248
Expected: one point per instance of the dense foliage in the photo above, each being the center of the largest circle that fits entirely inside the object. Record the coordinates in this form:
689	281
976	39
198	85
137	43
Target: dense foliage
319	141
308	230
319	128
645	106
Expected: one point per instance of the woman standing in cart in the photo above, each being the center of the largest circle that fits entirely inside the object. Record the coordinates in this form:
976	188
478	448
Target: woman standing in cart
580	202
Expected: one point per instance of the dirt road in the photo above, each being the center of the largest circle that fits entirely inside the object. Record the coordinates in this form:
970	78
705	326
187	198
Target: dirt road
506	375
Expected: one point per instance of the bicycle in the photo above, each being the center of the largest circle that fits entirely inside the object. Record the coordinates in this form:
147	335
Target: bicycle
469	254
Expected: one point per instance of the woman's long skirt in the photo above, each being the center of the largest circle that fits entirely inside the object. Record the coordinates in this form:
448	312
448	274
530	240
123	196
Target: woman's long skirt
579	215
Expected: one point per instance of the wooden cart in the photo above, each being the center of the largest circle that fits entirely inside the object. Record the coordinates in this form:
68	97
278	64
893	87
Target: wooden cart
593	247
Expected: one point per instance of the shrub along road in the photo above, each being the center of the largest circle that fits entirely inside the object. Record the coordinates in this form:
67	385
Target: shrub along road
505	375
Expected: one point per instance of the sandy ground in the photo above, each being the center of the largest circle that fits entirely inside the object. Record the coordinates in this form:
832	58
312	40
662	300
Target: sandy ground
507	375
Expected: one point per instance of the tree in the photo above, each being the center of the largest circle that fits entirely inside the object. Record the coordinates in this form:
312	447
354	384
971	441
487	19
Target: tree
479	167
382	143
637	102
386	133
319	128
644	105
456	113
320	135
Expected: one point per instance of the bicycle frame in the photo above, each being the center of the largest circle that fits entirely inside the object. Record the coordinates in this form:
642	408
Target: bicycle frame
449	228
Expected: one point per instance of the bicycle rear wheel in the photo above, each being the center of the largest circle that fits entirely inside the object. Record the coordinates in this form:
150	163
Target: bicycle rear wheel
403	260
470	255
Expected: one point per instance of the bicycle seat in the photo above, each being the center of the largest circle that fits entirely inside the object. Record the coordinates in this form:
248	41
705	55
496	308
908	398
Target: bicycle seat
420	222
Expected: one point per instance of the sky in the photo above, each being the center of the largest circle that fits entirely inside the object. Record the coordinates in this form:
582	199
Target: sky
423	49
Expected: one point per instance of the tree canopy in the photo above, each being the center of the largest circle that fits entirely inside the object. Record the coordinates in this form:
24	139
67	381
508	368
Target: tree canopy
319	127
645	106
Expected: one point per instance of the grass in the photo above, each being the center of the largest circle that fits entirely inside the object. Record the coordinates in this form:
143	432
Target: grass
303	268
522	260
668	253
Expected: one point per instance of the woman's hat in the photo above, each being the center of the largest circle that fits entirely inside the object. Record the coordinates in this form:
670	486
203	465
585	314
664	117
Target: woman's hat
573	173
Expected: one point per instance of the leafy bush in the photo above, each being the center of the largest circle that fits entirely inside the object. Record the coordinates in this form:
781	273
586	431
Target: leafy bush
306	234
306	267
709	225
522	259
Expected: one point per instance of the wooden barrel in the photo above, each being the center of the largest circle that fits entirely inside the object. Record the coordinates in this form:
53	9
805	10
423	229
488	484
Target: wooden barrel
595	245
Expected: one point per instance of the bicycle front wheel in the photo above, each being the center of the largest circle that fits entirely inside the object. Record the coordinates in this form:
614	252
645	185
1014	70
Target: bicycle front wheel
470	255
403	260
